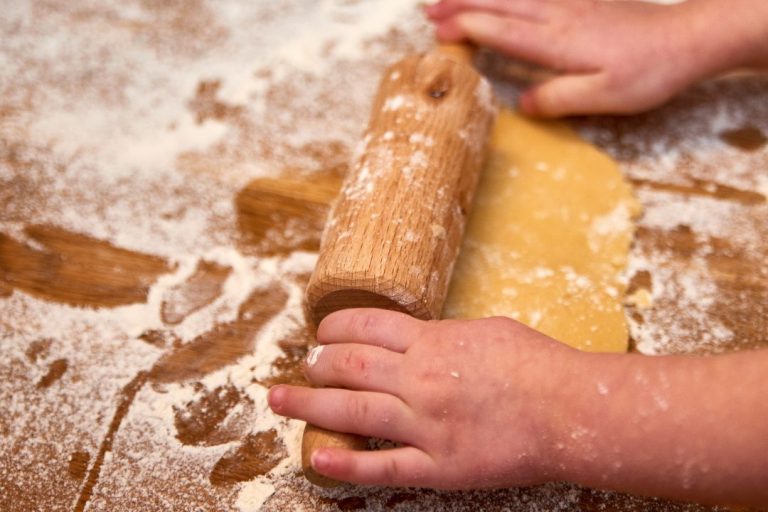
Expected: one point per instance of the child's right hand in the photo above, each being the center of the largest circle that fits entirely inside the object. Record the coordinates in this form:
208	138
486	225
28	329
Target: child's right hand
612	57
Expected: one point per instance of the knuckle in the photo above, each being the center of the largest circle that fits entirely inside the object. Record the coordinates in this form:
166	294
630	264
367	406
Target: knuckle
427	374
338	363
502	322
357	410
440	326
440	405
391	471
362	324
350	361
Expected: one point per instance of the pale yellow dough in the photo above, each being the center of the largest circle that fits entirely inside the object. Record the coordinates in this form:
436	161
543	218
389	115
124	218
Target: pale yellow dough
548	237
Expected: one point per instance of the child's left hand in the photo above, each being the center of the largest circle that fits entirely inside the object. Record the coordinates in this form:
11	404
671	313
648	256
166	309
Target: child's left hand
471	401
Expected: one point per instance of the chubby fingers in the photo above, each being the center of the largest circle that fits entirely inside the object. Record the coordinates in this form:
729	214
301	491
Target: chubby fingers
399	467
388	329
356	412
354	366
577	94
515	37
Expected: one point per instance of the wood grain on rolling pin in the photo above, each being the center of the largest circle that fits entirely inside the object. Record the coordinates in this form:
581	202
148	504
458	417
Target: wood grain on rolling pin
395	230
315	437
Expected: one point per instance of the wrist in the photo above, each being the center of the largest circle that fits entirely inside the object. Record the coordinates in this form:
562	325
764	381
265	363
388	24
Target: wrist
594	401
571	395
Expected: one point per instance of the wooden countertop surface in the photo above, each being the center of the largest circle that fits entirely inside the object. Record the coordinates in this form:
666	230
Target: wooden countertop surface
131	369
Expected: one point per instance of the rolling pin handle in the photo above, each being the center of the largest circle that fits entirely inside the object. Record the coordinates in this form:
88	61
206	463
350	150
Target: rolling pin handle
315	437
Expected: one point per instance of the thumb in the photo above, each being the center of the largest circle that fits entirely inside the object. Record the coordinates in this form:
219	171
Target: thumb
568	95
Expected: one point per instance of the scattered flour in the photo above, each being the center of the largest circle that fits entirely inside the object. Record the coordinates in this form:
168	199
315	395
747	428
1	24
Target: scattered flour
314	355
253	494
396	103
137	123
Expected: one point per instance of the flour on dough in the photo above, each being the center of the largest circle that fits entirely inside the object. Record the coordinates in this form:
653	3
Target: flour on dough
548	237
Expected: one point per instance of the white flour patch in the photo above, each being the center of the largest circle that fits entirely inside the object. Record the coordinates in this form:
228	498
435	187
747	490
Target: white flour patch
314	355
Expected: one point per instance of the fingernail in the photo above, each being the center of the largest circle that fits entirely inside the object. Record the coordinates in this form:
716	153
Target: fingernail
313	355
320	460
275	397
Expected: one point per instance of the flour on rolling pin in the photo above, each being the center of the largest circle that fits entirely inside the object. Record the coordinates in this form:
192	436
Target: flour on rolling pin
394	232
382	159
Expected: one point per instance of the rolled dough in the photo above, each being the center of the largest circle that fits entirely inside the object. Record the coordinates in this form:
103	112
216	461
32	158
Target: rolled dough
548	237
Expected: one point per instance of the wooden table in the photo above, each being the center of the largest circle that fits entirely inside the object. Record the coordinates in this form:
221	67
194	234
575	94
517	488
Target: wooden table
151	268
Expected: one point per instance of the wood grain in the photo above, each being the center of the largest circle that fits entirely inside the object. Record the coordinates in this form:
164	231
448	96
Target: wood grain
315	437
287	213
394	233
224	344
256	455
202	288
76	269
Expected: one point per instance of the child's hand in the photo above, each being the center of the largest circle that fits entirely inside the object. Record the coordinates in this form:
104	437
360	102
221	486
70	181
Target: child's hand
612	57
492	403
470	400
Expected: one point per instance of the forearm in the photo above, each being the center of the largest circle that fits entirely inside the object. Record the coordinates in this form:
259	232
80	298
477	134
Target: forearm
691	428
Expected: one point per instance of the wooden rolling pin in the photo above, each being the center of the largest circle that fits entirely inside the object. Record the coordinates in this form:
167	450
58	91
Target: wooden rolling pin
394	232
